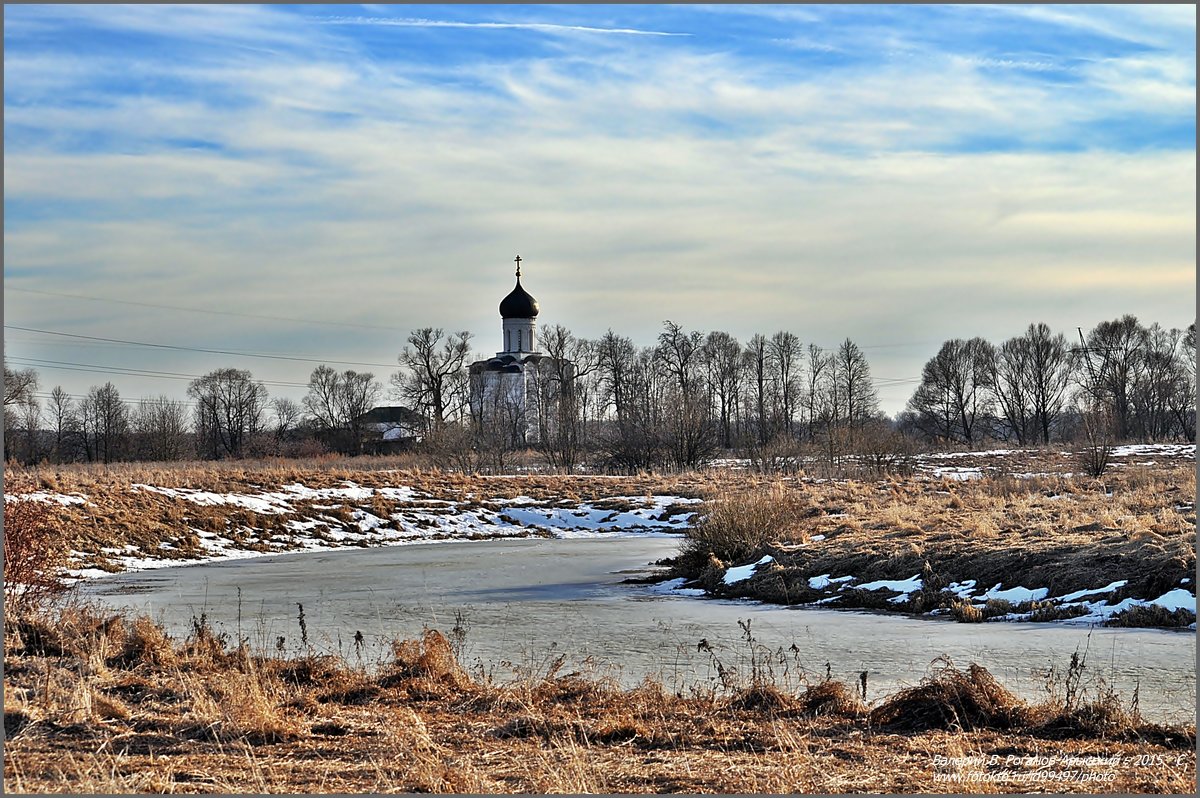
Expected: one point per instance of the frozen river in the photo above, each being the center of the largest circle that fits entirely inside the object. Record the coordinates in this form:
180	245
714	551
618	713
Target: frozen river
524	602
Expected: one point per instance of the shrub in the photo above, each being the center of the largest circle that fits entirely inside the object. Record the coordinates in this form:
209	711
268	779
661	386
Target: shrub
430	658
33	554
952	699
832	698
965	612
1153	615
993	608
1048	611
737	525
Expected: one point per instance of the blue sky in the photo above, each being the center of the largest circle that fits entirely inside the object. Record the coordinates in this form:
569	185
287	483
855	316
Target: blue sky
898	175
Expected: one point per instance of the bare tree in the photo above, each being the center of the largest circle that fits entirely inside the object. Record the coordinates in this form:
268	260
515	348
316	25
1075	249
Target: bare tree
954	398
504	419
756	369
1157	384
1183	401
105	423
615	356
30	415
564	396
160	428
634	439
230	411
19	386
855	392
723	359
61	411
288	415
337	403
434	381
785	357
688	433
820	370
1050	367
1115	352
1011	383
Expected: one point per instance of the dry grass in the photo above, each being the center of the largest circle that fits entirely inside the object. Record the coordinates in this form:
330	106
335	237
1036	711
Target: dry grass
953	699
33	550
119	517
739	523
100	703
1061	533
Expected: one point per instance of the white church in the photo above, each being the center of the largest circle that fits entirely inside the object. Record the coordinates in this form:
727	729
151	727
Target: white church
513	390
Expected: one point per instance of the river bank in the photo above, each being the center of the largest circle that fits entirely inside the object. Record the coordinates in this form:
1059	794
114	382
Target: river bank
1038	547
977	536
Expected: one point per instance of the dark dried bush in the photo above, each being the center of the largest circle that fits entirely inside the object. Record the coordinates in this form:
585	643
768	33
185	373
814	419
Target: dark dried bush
832	698
1153	615
952	699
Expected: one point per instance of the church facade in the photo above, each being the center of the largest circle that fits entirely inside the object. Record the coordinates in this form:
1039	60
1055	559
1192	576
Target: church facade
514	393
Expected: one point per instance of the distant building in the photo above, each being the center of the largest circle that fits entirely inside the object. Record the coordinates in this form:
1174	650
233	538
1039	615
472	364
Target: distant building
513	389
391	429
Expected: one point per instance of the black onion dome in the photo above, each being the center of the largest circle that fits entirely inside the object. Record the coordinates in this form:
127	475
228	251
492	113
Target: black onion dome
518	304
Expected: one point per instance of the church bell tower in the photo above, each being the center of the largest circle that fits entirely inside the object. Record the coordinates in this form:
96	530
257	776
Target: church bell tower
519	313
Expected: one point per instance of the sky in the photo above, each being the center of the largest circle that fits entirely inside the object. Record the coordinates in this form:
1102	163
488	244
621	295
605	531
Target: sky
314	182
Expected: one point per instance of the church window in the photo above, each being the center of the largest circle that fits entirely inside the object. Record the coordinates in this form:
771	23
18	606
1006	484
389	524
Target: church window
519	341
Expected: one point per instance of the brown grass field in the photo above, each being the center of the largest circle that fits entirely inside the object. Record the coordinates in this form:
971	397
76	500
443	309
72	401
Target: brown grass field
1061	533
99	703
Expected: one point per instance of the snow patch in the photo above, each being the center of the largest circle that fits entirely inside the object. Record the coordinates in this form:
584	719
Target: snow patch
1016	595
905	586
743	572
1177	599
1164	449
43	496
962	589
989	453
819	582
674	587
1109	588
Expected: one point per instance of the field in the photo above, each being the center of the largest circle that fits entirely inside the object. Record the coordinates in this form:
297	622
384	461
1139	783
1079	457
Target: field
97	701
100	703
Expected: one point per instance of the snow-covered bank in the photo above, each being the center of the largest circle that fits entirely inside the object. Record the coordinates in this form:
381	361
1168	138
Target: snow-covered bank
297	518
1087	605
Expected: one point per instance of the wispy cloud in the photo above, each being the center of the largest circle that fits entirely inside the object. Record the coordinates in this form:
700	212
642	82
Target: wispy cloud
541	27
948	189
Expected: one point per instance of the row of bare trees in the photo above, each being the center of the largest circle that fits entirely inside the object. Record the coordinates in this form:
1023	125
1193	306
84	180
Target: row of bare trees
677	403
1036	387
228	414
97	427
610	402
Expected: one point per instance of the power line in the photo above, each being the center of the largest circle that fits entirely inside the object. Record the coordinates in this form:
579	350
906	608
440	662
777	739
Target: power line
199	349
204	310
127	371
81	397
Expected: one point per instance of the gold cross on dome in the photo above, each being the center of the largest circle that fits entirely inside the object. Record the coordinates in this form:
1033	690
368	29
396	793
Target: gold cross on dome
518	260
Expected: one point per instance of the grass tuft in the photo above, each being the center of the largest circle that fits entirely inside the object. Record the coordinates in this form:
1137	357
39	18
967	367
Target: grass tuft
952	699
739	524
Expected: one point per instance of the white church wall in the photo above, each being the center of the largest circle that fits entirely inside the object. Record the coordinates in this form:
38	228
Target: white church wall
520	335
